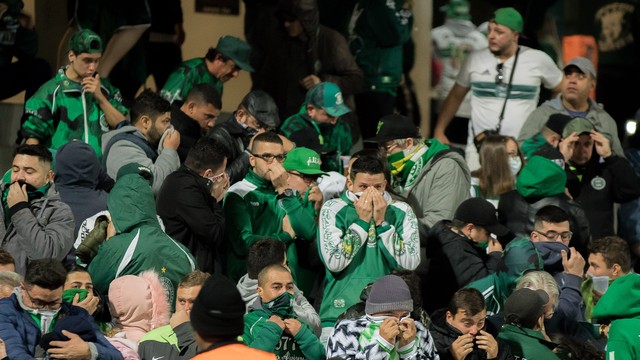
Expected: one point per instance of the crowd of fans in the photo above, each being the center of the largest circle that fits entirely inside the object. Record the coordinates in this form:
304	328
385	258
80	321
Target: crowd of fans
161	229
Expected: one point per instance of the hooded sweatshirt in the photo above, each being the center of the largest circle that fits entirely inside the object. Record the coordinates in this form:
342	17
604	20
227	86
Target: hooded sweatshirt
541	182
78	180
140	243
303	309
139	303
519	256
621	305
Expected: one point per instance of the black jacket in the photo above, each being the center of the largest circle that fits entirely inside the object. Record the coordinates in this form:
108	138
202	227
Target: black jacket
188	128
518	214
602	184
235	139
193	217
455	261
444	335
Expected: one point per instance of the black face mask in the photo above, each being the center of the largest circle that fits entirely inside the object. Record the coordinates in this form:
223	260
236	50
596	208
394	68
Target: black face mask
30	188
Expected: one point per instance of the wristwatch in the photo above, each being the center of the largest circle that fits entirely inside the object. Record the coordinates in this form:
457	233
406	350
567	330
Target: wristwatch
287	193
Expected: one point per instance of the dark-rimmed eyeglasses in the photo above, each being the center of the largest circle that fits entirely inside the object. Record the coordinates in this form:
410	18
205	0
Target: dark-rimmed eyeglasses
553	235
500	75
41	304
270	157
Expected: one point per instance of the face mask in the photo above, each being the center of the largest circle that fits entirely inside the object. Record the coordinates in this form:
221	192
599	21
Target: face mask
281	306
46	317
515	163
69	294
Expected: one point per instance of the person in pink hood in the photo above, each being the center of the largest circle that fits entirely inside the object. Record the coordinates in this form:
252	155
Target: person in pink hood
138	304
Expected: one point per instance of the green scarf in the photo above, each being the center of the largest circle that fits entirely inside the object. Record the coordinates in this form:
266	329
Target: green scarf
32	195
406	169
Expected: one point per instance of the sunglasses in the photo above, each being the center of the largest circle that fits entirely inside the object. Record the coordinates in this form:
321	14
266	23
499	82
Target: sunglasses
500	76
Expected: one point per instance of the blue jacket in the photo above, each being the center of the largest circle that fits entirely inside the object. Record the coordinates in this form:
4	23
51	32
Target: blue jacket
21	334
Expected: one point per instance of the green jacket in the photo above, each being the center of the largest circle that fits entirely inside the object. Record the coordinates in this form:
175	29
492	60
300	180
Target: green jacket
189	73
381	29
527	344
259	333
252	211
330	141
356	253
60	112
140	243
621	304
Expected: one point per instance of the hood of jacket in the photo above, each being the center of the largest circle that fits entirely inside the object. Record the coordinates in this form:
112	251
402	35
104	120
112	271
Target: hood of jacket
541	177
127	128
305	11
520	255
247	288
550	253
139	304
77	164
620	301
441	327
131	203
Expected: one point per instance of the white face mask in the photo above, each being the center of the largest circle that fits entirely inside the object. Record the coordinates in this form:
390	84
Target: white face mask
515	163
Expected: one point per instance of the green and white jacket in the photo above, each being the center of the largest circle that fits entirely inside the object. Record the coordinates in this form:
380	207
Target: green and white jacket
356	253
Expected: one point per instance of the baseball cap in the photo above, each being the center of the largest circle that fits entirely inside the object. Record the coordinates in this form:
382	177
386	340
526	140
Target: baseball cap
303	160
583	64
327	96
579	125
457	9
85	41
238	50
262	106
508	17
394	126
480	212
524	307
557	122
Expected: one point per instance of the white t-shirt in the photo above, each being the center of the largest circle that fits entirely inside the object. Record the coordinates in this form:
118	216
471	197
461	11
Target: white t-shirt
534	68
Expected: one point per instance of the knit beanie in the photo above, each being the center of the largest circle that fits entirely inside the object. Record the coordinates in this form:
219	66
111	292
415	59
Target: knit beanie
387	294
218	310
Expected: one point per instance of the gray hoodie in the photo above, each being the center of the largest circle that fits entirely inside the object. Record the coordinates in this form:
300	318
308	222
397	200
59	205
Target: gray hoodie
301	306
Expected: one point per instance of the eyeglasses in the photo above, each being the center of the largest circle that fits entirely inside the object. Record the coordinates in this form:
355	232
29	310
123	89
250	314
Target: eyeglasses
500	76
270	157
388	146
308	179
217	177
553	235
40	304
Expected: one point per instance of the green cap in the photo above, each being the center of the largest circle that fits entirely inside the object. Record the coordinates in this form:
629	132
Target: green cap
578	125
457	9
85	41
237	50
509	17
327	96
304	161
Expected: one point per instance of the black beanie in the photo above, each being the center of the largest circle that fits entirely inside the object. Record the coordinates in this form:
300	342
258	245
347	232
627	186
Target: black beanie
557	122
218	310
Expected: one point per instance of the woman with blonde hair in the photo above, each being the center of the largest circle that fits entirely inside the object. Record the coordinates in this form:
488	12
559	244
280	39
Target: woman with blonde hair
500	163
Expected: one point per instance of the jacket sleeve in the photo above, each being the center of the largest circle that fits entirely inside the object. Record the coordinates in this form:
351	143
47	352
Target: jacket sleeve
466	264
263	335
446	185
186	341
618	345
570	300
124	152
626	184
40	123
238	225
400	240
345	71
338	247
14	344
53	239
302	218
206	222
309	343
306	312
